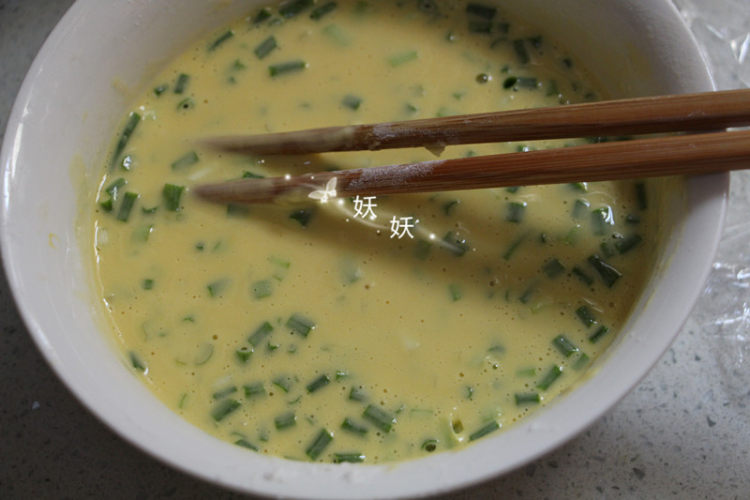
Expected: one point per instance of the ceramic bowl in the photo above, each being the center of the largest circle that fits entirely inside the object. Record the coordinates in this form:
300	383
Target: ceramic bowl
81	84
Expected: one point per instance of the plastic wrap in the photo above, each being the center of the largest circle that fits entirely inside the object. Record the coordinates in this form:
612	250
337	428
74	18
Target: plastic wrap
722	28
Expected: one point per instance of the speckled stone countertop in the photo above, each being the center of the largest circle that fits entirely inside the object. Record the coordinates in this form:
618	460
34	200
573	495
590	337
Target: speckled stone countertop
684	432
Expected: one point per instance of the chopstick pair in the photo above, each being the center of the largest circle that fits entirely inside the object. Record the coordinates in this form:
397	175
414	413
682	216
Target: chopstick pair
688	154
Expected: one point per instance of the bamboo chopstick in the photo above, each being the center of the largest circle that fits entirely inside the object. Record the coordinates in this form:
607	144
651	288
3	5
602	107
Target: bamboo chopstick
674	113
675	155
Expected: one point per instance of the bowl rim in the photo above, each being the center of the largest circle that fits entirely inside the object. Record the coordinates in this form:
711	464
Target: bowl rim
717	184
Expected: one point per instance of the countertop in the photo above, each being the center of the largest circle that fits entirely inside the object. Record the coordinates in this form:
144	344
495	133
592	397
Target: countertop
683	432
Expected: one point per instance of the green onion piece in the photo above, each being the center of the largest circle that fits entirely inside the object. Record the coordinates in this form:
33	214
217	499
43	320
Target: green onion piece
519	46
254	390
285	420
553	268
429	445
357	394
260	334
608	273
351	101
552	375
402	57
601	219
565	346
107	205
243	354
186	103
526	295
341	375
300	324
303	216
479	26
579	208
626	244
262	15
220	40
598	334
640	195
379	417
172	194
246	444
582	361
579	186
586	316
182	82
133	120
262	289
160	89
353	458
455	292
422	249
185	160
319	444
513	247
337	35
509	82
113	189
250	175
137	362
216	288
350	425
147	284
583	276
449	208
322	10
237	210
265	47
457	245
526	372
515	211
527	82
286	67
128	201
225	392
223	408
607	249
526	398
318	383
484	430
149	211
293	7
480	10
283	382
482	78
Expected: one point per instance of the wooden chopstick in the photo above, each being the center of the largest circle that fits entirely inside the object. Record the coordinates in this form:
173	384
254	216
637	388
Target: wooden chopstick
674	113
663	156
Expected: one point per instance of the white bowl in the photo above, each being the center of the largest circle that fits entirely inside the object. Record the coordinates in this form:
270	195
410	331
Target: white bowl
82	83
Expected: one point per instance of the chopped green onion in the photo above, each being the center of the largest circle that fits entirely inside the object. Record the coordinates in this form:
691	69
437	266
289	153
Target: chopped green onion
133	120
351	101
552	375
220	40
337	35
246	444
293	7
243	354
283	382
598	334
350	425
479	26
185	160
579	208
182	82
379	417
262	15
262	289
455	243
285	420
353	458
565	346
216	288
586	316
640	195
601	219
160	89
147	284
107	205
172	194
223	408
300	324
318	383
525	398
186	103
527	82
519	46
515	211
128	201
265	47
253	390
429	445
583	276
480	10
237	210
225	392
484	430
449	207
260	334
513	247
319	444
303	216
250	175
553	268
286	67
626	244
402	57
579	186
322	10
608	273
357	394
582	361
137	362
455	292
